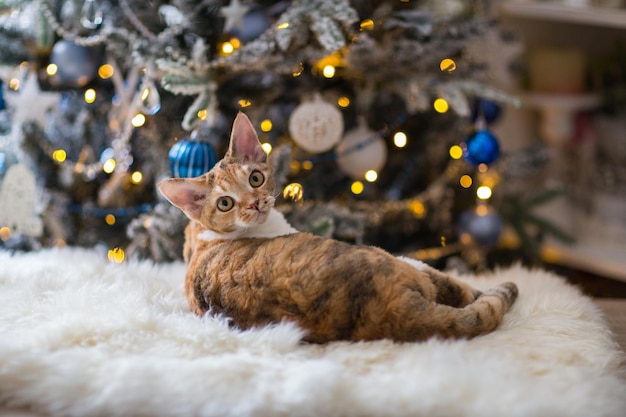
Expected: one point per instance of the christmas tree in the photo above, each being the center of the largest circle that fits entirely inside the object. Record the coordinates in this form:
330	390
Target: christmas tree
376	114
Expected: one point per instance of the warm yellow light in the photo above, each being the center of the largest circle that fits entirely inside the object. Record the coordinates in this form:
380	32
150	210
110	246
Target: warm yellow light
136	177
267	147
244	103
293	191
5	233
90	95
441	105
328	71
282	25
297	70
483	168
357	187
116	255
51	69
367	24
417	208
371	175
227	48
447	65
59	155
14	84
294	166
139	120
466	181
235	42
105	71
482	210
400	139
307	165
109	166
109	219
202	114
266	125
343	101
483	192
456	152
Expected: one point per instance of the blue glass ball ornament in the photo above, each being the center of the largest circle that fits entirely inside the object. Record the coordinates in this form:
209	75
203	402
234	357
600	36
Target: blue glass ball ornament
481	225
254	23
191	158
76	65
481	147
490	110
2	103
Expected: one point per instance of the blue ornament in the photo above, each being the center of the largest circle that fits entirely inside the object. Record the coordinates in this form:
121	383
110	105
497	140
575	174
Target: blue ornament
2	103
191	158
481	147
253	24
481	225
76	65
488	109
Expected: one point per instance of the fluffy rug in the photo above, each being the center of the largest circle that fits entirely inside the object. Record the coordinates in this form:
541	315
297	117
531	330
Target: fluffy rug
83	337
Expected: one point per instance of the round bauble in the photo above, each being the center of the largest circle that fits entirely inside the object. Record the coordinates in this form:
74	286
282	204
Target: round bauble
489	110
316	126
481	226
2	103
191	158
254	23
481	147
76	65
361	150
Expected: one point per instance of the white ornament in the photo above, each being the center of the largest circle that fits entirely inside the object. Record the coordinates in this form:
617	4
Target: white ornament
18	202
30	103
234	14
361	150
316	126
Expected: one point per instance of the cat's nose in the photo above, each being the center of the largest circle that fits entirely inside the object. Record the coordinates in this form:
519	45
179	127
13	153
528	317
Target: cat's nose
254	205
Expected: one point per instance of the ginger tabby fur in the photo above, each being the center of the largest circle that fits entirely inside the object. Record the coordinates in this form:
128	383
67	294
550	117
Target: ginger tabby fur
246	262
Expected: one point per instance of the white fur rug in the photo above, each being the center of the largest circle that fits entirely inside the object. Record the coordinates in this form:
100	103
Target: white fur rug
82	337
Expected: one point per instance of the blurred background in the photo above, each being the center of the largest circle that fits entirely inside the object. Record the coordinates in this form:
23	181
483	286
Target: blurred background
468	134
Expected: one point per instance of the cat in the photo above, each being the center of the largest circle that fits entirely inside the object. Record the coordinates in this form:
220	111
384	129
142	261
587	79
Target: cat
246	262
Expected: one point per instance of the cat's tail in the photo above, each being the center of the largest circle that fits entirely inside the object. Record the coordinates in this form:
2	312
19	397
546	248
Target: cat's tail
483	315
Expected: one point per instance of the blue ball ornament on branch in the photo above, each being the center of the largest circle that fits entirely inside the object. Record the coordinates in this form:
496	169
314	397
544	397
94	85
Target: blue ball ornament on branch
481	225
76	65
481	147
191	158
488	110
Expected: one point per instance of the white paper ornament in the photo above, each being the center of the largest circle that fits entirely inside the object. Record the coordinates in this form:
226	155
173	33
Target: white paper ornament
316	126
361	150
18	202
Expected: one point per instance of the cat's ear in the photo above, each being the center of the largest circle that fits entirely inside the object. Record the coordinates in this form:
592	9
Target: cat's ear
188	194
244	143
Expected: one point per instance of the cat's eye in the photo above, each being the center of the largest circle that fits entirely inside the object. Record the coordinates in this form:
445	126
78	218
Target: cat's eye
256	179
225	203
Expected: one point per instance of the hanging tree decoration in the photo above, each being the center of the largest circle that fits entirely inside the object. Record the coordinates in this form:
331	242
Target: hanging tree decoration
234	14
481	226
91	14
481	147
18	202
360	151
316	126
76	65
191	157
